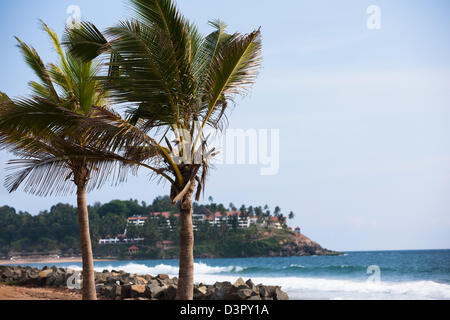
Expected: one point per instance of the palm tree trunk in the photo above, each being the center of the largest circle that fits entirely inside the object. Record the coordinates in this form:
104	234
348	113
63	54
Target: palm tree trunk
89	292
185	289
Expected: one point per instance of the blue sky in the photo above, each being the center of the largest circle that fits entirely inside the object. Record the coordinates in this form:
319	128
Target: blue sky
363	114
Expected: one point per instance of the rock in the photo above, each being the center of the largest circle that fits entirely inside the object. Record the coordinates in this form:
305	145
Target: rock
45	273
250	284
122	285
221	290
169	293
7	274
137	290
116	293
101	277
266	291
202	290
126	291
140	280
244	294
280	295
148	277
154	290
163	276
272	293
239	282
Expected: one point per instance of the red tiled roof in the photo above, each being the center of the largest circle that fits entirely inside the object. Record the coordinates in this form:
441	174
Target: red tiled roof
133	248
164	214
137	218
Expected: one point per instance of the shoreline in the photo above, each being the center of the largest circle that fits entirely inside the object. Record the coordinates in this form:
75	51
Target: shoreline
48	260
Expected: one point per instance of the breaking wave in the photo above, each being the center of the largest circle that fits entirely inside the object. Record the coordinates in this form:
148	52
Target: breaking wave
300	286
142	269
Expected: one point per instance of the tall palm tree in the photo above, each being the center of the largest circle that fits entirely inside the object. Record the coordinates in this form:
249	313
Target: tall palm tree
51	161
173	81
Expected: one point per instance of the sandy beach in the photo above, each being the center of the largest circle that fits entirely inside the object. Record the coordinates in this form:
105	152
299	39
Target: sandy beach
45	260
26	293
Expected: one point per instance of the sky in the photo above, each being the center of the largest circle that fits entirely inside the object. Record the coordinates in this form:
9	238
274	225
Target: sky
362	113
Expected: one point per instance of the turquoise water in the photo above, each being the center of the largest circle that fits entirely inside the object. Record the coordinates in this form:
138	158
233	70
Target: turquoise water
421	274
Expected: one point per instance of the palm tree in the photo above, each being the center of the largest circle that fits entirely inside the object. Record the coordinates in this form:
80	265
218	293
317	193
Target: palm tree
49	160
173	81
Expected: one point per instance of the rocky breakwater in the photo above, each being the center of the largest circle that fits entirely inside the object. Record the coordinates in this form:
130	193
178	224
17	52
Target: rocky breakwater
119	285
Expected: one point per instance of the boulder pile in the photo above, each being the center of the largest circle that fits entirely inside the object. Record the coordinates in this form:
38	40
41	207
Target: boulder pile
119	285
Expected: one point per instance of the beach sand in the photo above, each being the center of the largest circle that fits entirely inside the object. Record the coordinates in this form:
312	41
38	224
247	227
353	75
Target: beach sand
26	293
44	260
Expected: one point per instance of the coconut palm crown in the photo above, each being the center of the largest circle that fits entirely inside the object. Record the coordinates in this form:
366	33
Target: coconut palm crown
35	129
175	81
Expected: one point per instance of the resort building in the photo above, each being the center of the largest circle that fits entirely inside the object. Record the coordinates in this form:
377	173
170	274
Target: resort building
165	215
109	241
133	250
229	219
137	221
166	244
275	223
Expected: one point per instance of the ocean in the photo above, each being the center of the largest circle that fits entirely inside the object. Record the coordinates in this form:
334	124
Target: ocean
415	274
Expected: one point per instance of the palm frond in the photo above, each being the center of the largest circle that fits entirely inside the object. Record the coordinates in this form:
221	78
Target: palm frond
39	176
4	99
33	59
233	69
86	41
208	50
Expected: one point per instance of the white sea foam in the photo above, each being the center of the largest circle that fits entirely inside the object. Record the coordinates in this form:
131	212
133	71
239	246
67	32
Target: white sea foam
319	288
293	265
303	287
200	268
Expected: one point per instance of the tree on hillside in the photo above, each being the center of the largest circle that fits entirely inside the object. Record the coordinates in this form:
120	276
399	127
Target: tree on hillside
277	211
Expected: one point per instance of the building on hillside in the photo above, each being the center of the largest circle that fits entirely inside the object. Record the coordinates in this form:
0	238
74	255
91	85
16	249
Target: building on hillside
164	215
219	219
298	230
114	240
275	223
120	239
166	244
138	221
133	250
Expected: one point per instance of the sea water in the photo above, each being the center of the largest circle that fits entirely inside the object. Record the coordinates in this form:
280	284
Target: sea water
415	274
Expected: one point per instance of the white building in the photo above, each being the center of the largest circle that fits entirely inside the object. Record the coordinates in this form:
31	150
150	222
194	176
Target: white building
219	218
137	221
